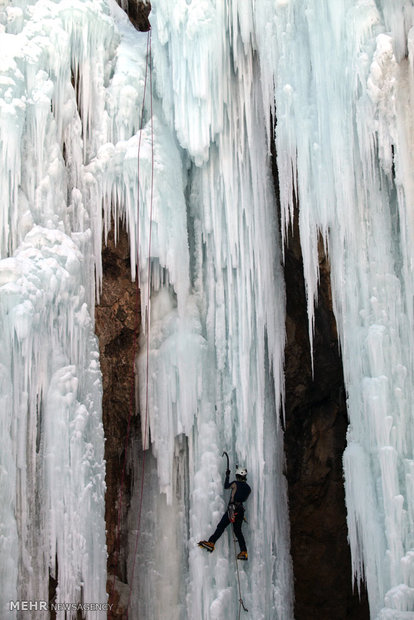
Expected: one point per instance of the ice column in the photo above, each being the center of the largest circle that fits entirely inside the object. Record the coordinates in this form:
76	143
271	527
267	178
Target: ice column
217	324
344	86
71	81
52	425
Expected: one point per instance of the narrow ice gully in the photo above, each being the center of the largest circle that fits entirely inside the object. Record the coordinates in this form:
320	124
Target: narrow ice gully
339	78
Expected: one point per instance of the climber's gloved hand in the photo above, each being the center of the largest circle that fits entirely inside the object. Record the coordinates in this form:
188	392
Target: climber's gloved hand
228	472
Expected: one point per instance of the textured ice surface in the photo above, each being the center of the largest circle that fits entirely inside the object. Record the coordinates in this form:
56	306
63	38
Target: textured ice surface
58	65
339	78
52	465
217	325
344	98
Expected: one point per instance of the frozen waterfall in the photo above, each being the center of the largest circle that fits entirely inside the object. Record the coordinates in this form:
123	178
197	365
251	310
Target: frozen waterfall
202	218
344	140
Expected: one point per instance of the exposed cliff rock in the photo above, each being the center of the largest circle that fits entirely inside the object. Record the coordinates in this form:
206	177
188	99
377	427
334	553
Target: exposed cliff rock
137	12
316	423
117	319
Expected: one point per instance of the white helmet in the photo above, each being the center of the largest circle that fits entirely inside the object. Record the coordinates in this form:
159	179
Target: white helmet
241	471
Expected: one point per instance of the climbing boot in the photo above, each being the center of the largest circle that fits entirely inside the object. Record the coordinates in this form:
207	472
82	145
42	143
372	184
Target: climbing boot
207	545
242	555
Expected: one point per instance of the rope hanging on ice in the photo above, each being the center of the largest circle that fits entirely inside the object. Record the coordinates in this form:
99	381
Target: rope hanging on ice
148	69
241	604
144	447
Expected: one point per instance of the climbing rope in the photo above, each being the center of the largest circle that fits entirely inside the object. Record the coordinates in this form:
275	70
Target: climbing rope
144	447
241	604
148	70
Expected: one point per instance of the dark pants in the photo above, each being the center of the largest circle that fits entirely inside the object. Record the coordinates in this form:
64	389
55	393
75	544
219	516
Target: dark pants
237	525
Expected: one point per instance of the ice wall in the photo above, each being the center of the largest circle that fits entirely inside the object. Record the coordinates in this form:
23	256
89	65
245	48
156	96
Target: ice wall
68	99
217	325
203	231
202	223
344	97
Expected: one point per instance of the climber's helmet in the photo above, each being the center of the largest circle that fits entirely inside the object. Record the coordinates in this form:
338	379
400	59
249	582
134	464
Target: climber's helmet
241	472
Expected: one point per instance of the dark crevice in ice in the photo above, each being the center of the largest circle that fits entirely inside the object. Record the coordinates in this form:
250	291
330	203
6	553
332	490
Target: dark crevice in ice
116	320
138	13
315	439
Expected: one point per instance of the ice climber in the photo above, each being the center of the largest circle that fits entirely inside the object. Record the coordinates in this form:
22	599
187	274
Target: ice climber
240	491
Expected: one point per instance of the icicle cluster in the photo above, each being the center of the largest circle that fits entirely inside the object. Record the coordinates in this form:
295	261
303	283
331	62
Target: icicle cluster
344	99
68	87
191	179
216	334
189	170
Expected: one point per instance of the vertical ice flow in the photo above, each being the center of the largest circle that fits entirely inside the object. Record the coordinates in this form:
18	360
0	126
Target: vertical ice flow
73	81
217	324
339	78
66	81
344	97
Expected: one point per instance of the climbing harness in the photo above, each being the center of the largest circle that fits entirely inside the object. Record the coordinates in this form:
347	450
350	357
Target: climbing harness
241	603
231	513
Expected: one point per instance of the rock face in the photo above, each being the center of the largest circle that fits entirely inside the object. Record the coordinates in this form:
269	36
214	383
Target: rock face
315	436
117	319
137	12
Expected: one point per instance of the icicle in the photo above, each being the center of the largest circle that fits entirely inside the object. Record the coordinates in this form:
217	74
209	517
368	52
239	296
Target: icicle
344	126
217	327
71	76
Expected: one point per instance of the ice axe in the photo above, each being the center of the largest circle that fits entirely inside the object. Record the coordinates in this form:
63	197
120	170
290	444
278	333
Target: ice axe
228	461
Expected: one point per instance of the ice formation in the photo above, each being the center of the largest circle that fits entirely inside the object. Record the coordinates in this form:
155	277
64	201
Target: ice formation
216	356
344	141
73	82
202	222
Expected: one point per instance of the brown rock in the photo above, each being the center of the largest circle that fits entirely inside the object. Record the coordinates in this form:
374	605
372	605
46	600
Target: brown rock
137	12
117	319
315	437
